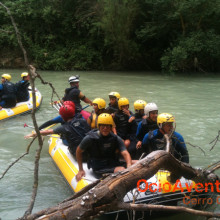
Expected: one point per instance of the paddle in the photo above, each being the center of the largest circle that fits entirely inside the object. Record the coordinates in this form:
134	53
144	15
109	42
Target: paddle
57	105
85	107
26	125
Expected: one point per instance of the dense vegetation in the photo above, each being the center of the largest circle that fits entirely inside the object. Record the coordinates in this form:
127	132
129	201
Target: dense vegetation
168	35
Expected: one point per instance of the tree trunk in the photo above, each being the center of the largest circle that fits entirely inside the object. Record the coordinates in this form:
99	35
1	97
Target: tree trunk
107	195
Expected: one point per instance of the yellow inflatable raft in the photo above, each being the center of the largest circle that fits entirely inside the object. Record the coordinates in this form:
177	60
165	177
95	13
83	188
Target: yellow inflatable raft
157	189
21	107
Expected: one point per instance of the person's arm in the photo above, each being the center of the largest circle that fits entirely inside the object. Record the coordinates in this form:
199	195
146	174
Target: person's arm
125	154
84	98
114	130
2	103
182	148
79	158
127	112
145	144
132	118
46	132
138	132
126	157
55	120
87	100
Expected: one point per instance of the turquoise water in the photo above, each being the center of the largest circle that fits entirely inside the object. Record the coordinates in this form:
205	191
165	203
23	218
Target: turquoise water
193	100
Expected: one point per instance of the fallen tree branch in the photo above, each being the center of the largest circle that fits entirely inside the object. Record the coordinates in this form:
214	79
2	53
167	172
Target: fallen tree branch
112	189
151	207
215	168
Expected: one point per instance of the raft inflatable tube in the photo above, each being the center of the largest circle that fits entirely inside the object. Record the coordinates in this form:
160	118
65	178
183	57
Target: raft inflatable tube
159	190
21	107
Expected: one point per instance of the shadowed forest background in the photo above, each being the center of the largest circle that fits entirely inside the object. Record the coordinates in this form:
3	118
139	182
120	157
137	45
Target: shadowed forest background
155	35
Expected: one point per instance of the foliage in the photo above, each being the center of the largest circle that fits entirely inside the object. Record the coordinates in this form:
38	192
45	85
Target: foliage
117	23
169	35
199	51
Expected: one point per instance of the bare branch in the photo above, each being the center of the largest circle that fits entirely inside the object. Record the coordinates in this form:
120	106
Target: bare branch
196	147
215	168
51	86
190	145
215	141
35	185
13	163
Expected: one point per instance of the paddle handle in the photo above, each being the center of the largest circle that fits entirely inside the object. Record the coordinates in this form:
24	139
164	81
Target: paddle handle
85	107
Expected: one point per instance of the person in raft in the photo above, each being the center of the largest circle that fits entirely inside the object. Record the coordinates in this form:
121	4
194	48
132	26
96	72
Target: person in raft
139	111
73	130
101	146
125	128
7	92
22	93
113	104
147	124
98	108
155	140
74	94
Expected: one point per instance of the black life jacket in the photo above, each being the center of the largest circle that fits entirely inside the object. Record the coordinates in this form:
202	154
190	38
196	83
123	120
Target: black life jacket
9	94
22	93
138	118
103	147
72	94
112	108
76	130
148	125
123	127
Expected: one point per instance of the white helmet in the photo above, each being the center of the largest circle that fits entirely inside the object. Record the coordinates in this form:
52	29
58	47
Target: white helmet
149	108
74	79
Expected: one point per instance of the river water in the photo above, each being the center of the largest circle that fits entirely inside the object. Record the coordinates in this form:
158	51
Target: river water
193	100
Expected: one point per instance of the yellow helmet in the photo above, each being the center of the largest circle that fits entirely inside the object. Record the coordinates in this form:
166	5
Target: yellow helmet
139	104
114	94
105	119
24	74
100	102
122	101
6	76
163	118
